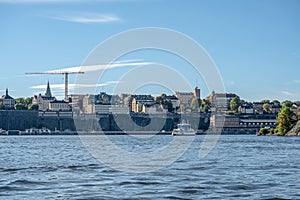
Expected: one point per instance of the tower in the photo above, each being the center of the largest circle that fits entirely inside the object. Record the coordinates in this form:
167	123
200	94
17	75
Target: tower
197	92
48	91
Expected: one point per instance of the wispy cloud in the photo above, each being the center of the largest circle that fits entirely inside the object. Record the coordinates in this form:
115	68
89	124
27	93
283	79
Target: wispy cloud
57	87
88	68
287	93
296	81
86	17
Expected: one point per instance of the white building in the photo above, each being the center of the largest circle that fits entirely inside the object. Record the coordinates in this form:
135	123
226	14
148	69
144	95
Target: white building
43	101
59	105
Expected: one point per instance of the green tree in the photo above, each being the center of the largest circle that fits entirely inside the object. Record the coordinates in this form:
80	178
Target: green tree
287	103
161	98
27	101
33	107
235	104
19	100
205	106
276	102
284	120
267	108
2	106
20	106
265	101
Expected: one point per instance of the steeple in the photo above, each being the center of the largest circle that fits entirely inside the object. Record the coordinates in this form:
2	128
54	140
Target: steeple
48	91
6	92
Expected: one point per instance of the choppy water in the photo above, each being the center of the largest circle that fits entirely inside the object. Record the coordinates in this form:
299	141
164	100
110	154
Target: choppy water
59	167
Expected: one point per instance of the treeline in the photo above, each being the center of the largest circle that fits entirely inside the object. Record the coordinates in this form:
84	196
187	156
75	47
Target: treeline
22	104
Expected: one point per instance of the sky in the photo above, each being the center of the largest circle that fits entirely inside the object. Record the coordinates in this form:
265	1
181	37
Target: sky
254	44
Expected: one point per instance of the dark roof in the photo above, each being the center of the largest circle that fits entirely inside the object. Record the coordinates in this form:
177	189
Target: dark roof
143	97
6	96
48	98
171	97
228	95
59	101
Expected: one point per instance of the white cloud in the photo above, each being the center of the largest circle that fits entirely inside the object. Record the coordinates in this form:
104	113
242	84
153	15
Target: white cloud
57	87
287	93
88	68
85	17
296	81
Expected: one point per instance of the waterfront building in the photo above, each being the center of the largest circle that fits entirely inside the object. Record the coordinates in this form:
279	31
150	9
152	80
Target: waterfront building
43	101
184	97
246	108
57	105
76	102
7	101
221	101
138	101
88	104
174	100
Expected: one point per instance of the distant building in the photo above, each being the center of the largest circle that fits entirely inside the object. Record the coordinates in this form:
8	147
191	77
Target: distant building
57	105
77	102
43	101
88	104
138	101
295	108
103	104
174	100
7	101
221	101
104	98
197	93
275	108
246	109
184	97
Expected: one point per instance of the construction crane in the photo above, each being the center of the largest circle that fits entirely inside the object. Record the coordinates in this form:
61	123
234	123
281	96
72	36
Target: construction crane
60	72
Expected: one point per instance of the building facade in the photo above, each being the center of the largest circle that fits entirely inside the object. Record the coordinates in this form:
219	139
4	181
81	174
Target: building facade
43	101
7	101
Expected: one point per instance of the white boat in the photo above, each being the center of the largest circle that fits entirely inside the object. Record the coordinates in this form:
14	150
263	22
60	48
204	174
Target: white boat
183	129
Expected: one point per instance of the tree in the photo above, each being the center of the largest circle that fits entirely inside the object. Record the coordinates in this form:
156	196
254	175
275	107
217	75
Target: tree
169	106
267	108
284	120
20	106
19	100
287	103
1	106
235	104
161	98
205	106
265	101
27	101
276	102
195	104
33	107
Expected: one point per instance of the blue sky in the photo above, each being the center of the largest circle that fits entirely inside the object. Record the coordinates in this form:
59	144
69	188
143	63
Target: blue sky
255	44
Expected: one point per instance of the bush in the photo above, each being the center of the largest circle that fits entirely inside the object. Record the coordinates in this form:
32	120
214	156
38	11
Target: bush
263	131
272	131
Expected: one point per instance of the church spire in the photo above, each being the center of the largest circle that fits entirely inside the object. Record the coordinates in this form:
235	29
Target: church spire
6	91
48	91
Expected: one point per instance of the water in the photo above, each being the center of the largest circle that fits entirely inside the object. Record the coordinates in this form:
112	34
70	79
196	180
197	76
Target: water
239	167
